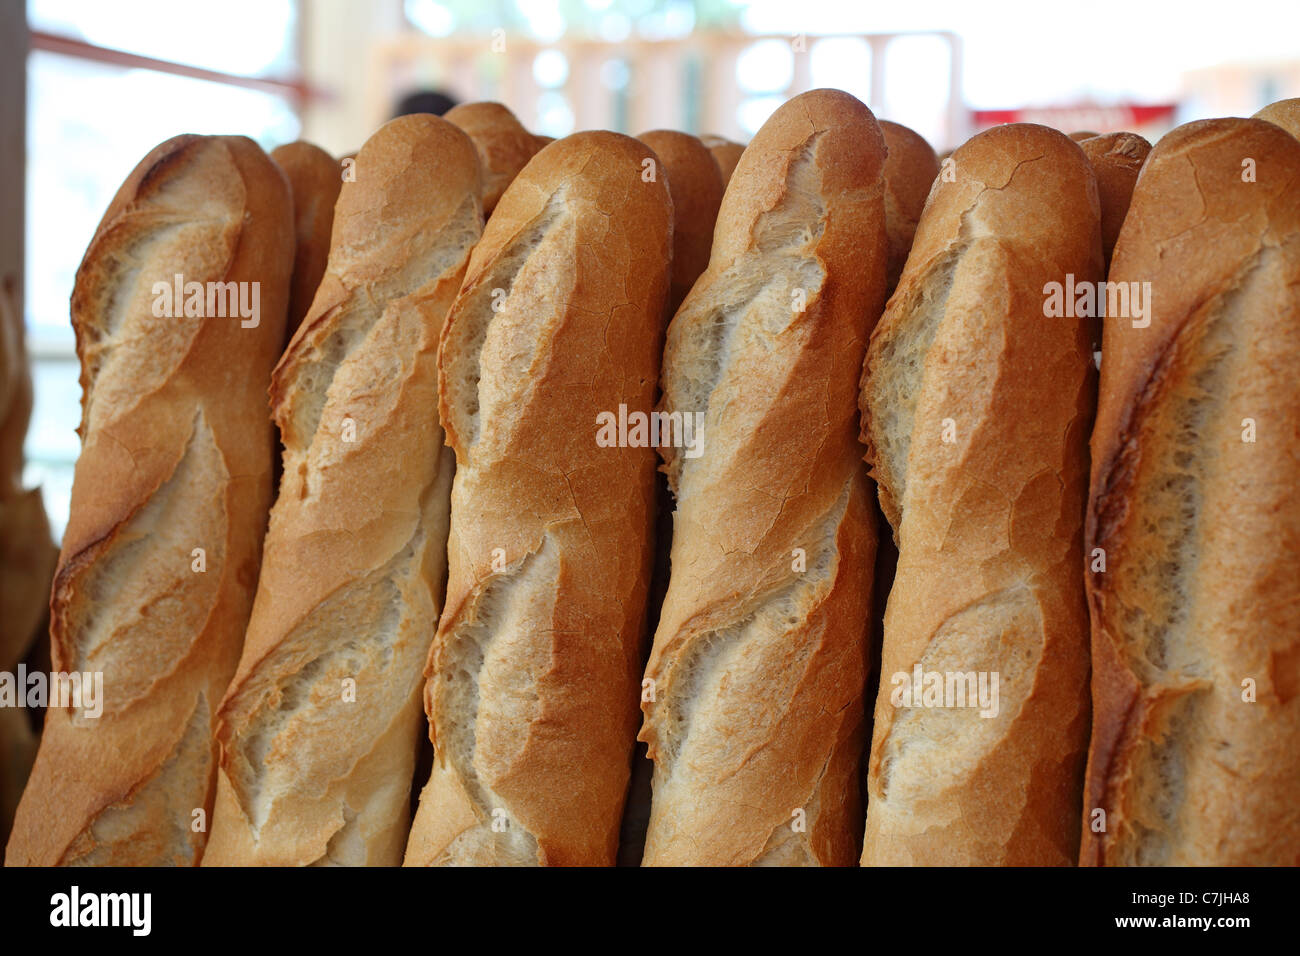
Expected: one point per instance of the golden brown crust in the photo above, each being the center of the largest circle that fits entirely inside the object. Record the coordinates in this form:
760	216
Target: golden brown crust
695	185
1116	160
532	676
1196	523
176	456
910	171
315	180
27	552
504	146
725	152
976	408
1283	113
315	770
759	660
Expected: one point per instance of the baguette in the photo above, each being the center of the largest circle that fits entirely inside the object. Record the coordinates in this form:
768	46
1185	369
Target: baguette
759	661
695	184
1195	755
976	409
725	152
1116	160
1283	113
504	146
314	180
910	171
176	457
27	553
532	678
319	728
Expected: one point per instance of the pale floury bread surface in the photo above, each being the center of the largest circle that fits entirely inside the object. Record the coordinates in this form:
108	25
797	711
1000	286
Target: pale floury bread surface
976	411
319	729
532	678
696	185
759	660
1283	113
1195	755
504	146
1116	160
315	179
910	171
176	456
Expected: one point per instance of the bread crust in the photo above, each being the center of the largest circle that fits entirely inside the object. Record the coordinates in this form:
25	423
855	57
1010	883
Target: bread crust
910	171
315	179
988	520
532	677
316	770
1283	113
27	552
1116	160
504	146
759	659
176	456
725	152
695	184
1198	527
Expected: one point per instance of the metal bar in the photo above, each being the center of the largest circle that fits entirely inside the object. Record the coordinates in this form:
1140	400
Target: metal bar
296	88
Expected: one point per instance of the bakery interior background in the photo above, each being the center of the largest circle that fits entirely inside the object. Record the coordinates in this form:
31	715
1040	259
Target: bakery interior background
106	81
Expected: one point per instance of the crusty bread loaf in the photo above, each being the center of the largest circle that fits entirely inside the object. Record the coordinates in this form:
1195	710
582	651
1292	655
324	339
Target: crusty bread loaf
314	180
169	503
1079	135
319	728
532	678
504	146
1283	113
1116	160
910	171
1195	755
759	663
976	411
17	751
695	185
725	152
27	553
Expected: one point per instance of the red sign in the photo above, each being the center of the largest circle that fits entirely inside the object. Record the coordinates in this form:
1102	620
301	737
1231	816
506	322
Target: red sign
1117	116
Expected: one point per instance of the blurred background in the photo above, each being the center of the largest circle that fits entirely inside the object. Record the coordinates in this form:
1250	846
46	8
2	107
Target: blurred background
89	86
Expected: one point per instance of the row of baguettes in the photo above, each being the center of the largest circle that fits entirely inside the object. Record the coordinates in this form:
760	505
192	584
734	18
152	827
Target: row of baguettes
974	400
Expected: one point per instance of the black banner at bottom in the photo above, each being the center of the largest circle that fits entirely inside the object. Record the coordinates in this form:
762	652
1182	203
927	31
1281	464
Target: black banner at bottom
333	907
